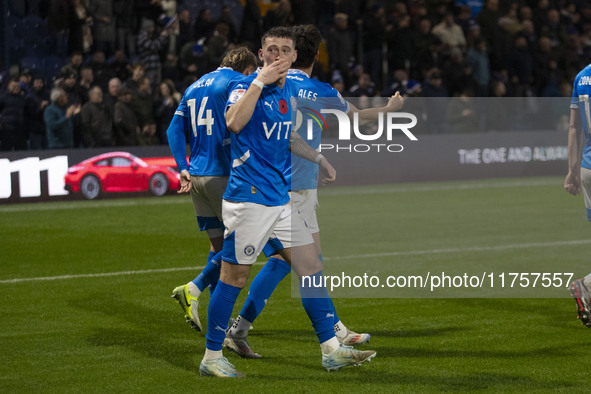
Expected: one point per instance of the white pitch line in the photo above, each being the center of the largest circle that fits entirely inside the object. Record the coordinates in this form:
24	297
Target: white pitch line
421	188
54	206
50	206
463	250
360	256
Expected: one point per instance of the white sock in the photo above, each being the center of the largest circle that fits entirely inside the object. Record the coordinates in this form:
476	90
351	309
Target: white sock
340	330
193	290
240	327
212	354
330	346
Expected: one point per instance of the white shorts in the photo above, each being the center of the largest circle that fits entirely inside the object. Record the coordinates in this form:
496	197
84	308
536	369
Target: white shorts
207	193
586	185
249	226
306	202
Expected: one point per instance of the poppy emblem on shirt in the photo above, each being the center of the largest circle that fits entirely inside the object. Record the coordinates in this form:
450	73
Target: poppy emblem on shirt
283	106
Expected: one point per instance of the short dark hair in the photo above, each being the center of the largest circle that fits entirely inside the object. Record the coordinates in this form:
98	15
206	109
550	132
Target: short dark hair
239	59
308	39
279	32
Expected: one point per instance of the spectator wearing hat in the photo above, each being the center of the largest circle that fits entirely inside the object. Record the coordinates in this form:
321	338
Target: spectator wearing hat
12	108
124	120
97	123
59	120
35	103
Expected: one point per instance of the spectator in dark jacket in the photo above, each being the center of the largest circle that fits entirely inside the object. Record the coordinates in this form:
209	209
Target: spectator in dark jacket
12	108
74	66
104	29
97	123
149	45
125	121
110	98
126	24
120	67
165	105
204	24
59	120
341	46
35	103
143	104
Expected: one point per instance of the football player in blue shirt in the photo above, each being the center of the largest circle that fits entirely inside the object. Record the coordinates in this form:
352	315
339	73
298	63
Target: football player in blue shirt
579	173
303	178
256	206
202	113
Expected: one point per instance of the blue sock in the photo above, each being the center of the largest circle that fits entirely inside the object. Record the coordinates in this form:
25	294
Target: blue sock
318	306
215	274
263	286
210	273
334	311
219	312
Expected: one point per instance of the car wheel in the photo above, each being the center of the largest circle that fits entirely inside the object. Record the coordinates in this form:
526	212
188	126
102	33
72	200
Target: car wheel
158	184
90	187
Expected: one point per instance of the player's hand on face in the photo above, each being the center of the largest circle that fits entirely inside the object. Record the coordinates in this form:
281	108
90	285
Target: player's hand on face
572	184
185	182
327	172
273	72
395	102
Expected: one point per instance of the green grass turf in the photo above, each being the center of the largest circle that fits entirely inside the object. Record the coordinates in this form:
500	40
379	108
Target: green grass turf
123	333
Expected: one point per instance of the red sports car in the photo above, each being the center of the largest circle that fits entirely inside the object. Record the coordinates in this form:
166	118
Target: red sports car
120	172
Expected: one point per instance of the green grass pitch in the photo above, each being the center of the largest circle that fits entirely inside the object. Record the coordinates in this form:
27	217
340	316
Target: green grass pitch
86	307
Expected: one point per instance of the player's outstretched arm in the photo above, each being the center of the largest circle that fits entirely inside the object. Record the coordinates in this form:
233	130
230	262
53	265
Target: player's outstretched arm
239	114
572	182
395	102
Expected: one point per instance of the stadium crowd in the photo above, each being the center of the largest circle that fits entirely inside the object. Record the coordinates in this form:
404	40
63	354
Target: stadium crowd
111	72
